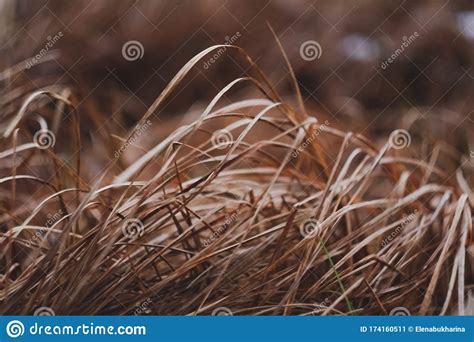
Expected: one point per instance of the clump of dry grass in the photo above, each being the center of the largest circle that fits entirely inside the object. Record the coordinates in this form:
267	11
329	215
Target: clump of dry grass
253	206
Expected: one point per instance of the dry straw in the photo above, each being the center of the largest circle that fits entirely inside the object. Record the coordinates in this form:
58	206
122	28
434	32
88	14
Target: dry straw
193	227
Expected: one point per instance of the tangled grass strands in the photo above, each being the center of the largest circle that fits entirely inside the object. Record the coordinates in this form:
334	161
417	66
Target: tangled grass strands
259	223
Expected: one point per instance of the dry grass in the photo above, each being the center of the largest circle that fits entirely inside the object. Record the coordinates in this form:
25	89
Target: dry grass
252	205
